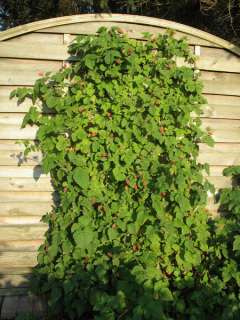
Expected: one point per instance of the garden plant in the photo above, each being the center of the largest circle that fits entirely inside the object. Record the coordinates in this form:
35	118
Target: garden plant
129	235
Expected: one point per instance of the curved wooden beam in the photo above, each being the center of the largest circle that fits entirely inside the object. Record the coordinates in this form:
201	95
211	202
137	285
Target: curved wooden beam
135	19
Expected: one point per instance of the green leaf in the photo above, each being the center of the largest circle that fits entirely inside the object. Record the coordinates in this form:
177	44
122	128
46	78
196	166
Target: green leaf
110	56
81	177
119	174
62	143
31	117
157	204
155	243
209	141
21	94
51	102
166	294
53	251
112	234
236	243
86	239
90	60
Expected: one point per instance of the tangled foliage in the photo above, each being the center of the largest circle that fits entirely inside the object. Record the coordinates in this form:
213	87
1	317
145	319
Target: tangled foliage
129	237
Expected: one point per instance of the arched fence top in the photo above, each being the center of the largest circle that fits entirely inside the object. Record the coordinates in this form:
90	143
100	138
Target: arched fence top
124	18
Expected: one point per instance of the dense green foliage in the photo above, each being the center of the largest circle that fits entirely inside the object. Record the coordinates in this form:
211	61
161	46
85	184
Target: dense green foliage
129	237
219	17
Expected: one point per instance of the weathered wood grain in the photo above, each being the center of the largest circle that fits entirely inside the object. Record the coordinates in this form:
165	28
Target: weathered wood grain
19	246
13	184
222	154
15	270
221	111
38	38
22	232
223	130
11	105
13	131
217	53
31	51
18	259
19	219
220	182
27	196
12	154
16	157
222	100
26	210
25	72
221	107
34	172
217	60
221	83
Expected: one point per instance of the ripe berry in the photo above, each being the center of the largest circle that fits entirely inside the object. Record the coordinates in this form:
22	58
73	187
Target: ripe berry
162	130
135	187
136	247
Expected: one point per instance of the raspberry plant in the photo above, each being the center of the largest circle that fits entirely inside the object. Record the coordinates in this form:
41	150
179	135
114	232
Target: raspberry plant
129	235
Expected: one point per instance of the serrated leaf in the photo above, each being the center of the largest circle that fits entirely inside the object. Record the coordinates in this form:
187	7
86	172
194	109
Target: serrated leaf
81	177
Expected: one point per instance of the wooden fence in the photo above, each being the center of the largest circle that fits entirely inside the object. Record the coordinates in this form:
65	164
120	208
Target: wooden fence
25	194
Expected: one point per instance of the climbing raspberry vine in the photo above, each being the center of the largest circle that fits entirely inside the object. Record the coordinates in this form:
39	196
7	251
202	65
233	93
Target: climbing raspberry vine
129	236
